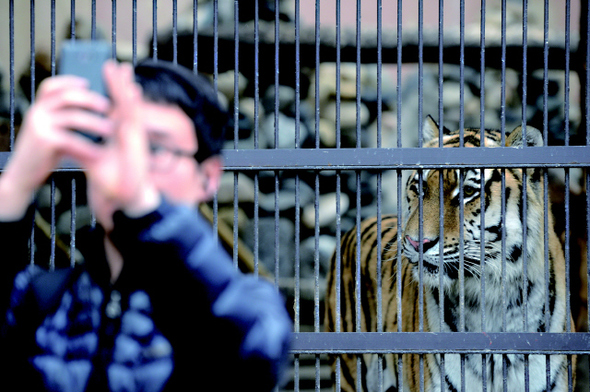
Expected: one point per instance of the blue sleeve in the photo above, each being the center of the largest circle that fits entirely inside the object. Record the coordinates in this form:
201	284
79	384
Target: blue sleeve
14	239
253	306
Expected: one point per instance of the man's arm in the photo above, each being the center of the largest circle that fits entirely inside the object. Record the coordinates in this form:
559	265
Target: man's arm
253	308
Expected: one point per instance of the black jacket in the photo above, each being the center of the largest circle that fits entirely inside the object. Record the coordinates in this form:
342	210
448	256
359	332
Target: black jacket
179	317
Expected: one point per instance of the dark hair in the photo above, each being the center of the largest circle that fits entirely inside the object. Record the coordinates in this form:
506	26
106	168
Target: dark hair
165	82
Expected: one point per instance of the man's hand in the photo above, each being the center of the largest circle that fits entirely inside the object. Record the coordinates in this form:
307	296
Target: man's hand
121	174
63	103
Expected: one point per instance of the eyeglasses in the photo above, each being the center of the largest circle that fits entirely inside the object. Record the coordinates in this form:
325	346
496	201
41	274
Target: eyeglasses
163	158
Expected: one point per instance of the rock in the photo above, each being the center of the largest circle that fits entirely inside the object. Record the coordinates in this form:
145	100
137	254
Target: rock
327	210
326	247
287	127
267	242
225	85
225	194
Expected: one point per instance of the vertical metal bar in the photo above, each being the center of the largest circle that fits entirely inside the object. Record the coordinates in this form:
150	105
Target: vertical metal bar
276	74
256	124
379	190
52	37
421	269
461	175
12	85
195	36
358	270
93	20
586	115
317	75
235	225
482	252
338	62
114	29
215	87
256	224
420	181
525	187
441	226
316	275
297	277
134	31
399	270
316	204
155	29
503	183
297	261
236	110
215	44
174	32
400	365
358	73
567	187
277	227
73	224
52	236
338	173
545	176
420	73
32	60
72	17
338	272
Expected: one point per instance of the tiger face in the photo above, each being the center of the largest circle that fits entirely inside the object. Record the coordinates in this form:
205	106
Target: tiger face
463	194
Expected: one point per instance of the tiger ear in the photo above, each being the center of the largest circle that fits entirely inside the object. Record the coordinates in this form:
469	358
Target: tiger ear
431	130
533	137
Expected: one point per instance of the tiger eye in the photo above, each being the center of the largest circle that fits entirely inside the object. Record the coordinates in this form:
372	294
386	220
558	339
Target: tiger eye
469	191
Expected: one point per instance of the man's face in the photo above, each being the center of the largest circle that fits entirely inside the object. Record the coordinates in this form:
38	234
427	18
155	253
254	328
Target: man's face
173	169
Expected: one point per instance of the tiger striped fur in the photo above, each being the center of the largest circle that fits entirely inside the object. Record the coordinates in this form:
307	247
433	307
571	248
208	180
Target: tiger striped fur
496	315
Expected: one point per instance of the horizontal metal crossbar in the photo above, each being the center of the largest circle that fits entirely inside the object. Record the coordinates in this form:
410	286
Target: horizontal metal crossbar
405	158
448	342
394	158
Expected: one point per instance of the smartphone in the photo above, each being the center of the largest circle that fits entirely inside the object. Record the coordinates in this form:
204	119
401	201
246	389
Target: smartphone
85	58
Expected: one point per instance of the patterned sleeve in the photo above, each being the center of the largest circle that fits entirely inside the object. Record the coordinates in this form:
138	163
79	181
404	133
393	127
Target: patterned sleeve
252	306
14	241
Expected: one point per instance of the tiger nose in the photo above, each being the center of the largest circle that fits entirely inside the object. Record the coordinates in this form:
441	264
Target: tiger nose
426	243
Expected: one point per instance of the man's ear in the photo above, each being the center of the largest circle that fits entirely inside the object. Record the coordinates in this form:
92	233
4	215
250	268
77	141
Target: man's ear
212	169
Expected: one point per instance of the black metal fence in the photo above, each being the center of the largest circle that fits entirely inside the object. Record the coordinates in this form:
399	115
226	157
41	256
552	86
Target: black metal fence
326	122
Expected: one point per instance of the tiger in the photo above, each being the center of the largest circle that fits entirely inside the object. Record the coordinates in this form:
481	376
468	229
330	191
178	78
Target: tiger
503	245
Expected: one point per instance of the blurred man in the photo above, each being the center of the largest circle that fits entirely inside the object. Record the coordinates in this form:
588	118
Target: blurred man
156	305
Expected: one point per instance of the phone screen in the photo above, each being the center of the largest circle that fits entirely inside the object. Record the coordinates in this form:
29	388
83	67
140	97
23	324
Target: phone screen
85	58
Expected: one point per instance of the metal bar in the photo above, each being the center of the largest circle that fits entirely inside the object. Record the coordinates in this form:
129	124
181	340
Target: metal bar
420	186
567	186
358	75
276	73
392	158
174	31
72	19
52	33
32	61
114	29
155	29
195	36
12	85
52	235
134	31
73	225
236	112
93	20
443	342
404	158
